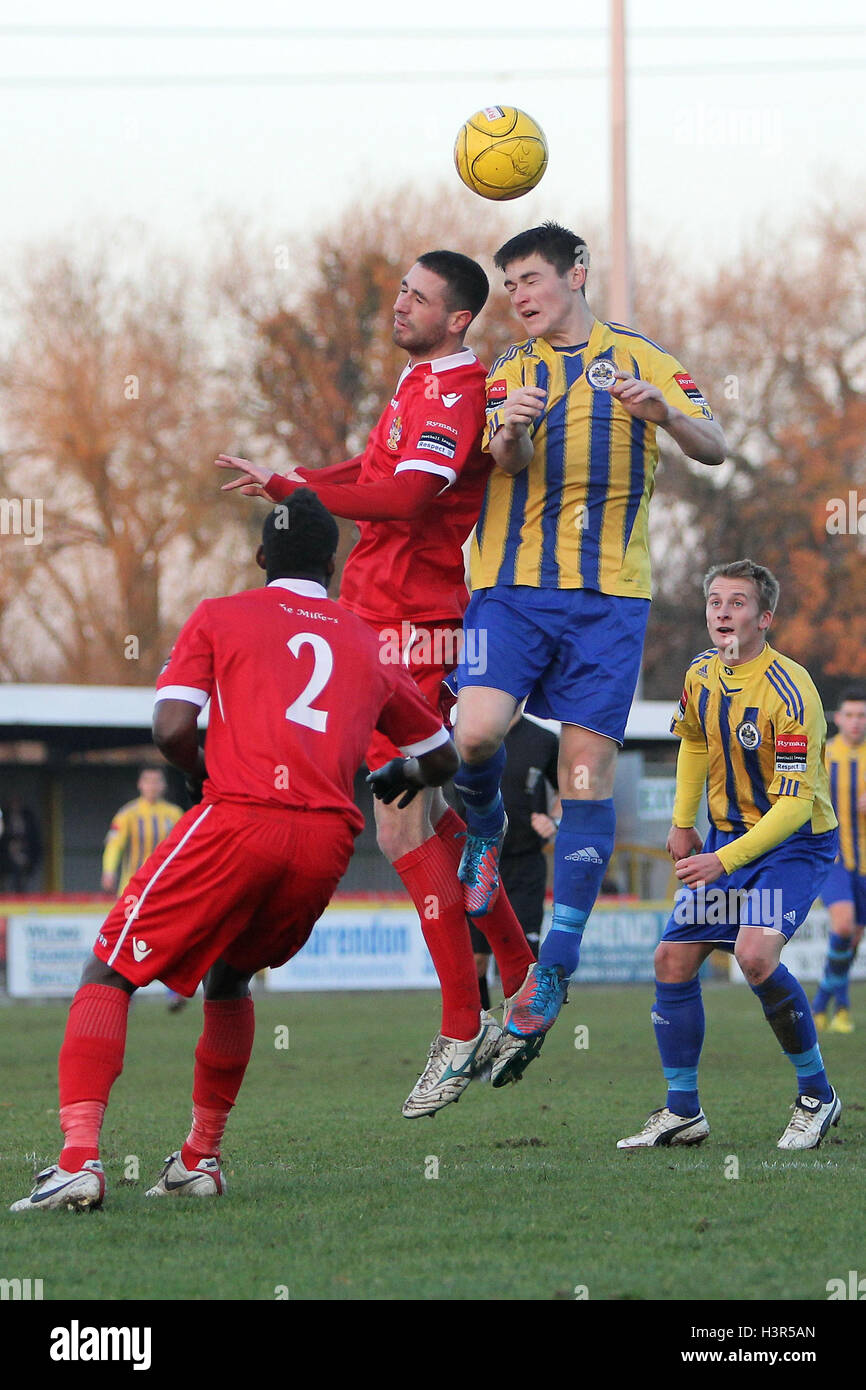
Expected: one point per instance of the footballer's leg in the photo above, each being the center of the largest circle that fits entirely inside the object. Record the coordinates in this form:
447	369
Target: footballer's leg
484	714
584	845
91	1059
844	938
221	1059
787	1011
678	1021
503	934
468	1036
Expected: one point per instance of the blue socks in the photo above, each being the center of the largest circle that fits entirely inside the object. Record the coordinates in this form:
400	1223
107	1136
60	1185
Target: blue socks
678	1020
787	1011
479	787
583	848
837	966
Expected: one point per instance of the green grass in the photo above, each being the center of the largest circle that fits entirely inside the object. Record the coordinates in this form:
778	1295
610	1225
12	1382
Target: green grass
327	1190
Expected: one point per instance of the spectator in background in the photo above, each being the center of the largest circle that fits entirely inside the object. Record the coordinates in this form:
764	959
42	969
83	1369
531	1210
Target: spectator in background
20	846
135	832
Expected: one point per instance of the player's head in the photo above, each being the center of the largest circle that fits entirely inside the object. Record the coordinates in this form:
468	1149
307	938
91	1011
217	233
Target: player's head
299	540
438	299
741	600
151	783
545	276
850	717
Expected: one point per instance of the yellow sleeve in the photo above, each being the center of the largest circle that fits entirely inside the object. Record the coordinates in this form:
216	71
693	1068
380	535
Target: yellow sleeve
115	843
505	376
678	388
692	764
784	817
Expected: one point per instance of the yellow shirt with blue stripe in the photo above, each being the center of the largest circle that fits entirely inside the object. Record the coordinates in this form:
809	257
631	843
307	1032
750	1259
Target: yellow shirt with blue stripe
577	516
846	768
761	729
134	834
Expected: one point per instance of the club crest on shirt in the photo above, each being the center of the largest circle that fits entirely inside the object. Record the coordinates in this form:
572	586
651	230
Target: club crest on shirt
601	374
748	734
394	433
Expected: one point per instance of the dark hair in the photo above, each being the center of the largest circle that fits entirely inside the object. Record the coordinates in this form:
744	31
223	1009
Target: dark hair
299	537
468	286
766	583
854	693
557	245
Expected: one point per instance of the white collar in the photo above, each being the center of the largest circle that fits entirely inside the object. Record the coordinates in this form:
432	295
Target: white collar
464	358
308	588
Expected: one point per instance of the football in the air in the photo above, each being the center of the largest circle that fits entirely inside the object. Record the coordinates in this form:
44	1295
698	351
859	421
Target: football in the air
500	152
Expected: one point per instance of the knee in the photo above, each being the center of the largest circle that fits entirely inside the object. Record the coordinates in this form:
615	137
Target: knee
670	966
756	964
224	982
96	972
476	745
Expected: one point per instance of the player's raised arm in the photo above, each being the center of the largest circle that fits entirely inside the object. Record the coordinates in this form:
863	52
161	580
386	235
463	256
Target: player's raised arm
511	447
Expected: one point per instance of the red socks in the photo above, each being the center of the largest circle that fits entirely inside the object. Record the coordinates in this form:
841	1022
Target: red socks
91	1059
430	880
221	1059
500	926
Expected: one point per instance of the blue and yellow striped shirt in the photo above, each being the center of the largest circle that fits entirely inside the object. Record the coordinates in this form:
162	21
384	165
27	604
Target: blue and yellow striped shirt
846	767
764	729
577	516
134	834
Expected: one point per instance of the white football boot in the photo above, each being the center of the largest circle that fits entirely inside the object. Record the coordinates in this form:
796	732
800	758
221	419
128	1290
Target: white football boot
176	1180
451	1065
663	1128
55	1188
810	1121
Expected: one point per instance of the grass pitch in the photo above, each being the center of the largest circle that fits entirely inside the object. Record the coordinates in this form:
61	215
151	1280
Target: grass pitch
517	1193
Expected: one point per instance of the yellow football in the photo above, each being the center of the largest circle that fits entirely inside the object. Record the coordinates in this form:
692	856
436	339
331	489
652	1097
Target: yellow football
500	152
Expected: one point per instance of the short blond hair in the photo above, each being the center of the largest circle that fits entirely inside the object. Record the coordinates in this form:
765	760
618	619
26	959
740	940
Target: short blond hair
764	581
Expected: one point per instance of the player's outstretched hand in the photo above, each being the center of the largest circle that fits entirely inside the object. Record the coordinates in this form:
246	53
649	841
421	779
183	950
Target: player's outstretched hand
641	399
255	475
394	778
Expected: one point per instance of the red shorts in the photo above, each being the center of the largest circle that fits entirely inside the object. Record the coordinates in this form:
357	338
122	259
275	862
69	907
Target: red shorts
429	653
242	883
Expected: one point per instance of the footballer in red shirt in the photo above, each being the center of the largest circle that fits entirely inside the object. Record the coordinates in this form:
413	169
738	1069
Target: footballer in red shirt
296	687
416	492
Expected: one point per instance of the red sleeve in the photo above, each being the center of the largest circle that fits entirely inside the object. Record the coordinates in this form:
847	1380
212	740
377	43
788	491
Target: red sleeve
347	472
387	499
188	673
407	719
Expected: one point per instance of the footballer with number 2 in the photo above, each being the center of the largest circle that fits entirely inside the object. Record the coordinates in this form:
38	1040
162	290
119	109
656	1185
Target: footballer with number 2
296	689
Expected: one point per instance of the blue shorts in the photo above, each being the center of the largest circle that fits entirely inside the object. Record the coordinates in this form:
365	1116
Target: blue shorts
575	652
776	890
846	886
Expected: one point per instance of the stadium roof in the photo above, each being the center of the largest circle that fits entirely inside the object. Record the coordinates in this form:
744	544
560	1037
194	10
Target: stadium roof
112	715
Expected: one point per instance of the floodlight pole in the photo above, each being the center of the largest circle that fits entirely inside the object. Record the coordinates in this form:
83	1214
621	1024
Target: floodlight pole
620	278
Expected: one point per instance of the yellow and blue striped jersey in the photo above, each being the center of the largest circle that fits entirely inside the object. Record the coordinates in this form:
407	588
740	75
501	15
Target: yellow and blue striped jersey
764	729
134	834
577	516
846	768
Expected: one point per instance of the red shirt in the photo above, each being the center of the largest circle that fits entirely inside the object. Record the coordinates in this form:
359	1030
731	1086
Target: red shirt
412	566
297	688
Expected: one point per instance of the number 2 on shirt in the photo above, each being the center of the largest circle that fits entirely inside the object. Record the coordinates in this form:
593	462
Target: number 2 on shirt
302	710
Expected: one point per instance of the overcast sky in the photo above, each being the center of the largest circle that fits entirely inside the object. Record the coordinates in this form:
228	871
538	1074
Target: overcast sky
742	114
